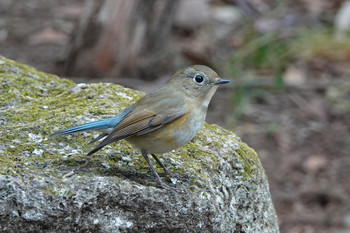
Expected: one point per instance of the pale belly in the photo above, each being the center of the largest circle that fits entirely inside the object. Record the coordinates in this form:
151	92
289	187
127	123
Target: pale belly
170	136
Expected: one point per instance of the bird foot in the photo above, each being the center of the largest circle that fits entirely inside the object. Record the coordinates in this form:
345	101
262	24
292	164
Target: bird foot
164	186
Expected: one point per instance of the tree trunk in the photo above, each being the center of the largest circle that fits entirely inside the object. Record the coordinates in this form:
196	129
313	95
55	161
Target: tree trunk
118	37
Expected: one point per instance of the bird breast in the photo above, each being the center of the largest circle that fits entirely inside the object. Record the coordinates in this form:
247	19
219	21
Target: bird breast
172	135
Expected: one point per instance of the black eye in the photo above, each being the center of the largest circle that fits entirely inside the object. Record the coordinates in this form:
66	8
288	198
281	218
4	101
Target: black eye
198	78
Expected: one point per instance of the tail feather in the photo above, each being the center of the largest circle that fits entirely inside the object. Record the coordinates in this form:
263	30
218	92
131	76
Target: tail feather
98	125
109	123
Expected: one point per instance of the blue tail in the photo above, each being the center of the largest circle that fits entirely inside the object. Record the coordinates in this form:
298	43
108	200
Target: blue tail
109	123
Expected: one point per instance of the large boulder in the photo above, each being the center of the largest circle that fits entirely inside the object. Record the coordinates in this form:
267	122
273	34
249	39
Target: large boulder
50	185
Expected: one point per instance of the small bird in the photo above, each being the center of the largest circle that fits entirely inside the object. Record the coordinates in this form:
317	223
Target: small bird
163	120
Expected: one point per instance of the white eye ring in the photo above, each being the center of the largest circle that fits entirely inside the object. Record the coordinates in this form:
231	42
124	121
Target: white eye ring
198	78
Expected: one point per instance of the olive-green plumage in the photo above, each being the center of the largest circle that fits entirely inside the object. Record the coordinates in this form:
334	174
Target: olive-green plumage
163	120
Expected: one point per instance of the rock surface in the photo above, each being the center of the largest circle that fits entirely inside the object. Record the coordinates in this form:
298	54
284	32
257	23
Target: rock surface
49	185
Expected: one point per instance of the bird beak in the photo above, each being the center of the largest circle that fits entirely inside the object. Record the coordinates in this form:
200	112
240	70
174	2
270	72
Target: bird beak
221	81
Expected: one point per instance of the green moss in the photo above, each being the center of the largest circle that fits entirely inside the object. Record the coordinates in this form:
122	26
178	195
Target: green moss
34	105
246	155
249	159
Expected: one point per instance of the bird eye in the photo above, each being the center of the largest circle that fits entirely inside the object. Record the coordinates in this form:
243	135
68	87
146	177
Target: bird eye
198	78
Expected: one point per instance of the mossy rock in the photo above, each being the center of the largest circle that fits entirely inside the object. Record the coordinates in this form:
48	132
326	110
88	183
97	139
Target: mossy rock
225	188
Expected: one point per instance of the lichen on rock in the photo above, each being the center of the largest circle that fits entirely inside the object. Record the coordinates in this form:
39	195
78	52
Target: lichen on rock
225	187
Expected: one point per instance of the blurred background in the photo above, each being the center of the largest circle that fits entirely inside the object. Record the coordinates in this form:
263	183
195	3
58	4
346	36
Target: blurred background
289	62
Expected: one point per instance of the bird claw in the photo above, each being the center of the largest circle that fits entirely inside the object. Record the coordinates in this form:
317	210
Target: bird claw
167	187
161	184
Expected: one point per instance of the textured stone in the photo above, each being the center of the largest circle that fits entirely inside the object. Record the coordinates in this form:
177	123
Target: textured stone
50	185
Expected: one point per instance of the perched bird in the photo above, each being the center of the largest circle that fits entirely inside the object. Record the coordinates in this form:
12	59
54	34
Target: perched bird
163	120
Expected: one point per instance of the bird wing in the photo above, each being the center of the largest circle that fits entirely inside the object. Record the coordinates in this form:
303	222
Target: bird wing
140	122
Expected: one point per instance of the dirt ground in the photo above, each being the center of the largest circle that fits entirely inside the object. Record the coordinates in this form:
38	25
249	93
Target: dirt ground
301	133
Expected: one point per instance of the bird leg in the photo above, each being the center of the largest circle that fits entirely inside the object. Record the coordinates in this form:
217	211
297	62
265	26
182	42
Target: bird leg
159	180
163	166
